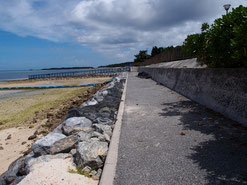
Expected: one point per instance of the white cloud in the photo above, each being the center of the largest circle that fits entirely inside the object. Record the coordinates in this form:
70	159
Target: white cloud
116	28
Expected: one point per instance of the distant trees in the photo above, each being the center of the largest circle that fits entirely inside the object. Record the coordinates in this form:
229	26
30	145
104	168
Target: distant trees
224	43
156	50
141	57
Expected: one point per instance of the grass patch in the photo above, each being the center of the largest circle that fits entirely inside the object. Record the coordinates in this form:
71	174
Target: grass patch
31	126
78	171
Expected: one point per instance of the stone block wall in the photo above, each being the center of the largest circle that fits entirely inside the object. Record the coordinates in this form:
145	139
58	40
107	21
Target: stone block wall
222	90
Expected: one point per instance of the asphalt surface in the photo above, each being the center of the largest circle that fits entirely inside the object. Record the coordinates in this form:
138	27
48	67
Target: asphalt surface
169	139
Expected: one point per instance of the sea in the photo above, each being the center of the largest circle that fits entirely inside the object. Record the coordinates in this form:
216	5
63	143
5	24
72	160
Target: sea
23	74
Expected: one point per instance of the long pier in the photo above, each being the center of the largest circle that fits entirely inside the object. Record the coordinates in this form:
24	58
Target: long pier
100	71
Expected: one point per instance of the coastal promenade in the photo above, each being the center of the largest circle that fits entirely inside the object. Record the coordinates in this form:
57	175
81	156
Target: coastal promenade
169	139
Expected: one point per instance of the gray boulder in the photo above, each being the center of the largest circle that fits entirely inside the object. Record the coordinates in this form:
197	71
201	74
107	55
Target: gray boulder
103	129
104	121
16	171
91	154
59	129
99	96
73	152
43	145
90	102
77	124
83	136
101	137
63	145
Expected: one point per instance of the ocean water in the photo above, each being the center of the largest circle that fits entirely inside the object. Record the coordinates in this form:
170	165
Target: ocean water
16	75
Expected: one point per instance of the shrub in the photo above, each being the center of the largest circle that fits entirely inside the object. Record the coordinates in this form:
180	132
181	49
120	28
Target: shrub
224	44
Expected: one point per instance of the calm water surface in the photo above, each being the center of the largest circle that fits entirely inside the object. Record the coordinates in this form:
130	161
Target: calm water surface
15	75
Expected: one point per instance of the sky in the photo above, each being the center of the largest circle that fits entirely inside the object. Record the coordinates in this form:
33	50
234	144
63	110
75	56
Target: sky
37	34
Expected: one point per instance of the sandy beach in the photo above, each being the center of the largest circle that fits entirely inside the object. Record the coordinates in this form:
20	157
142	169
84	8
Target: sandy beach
27	115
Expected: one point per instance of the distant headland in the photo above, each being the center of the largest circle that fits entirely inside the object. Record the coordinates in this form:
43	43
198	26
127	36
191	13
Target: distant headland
64	68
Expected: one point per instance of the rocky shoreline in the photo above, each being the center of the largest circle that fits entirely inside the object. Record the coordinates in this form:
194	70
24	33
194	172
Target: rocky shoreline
84	135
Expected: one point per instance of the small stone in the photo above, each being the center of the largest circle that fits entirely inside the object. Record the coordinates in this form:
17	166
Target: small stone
92	173
32	137
107	138
1	148
97	175
73	152
182	133
104	129
87	170
94	139
105	109
50	114
104	121
9	137
24	142
101	137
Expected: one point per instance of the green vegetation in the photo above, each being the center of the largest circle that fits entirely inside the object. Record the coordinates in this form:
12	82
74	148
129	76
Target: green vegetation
141	57
79	171
224	43
118	65
156	51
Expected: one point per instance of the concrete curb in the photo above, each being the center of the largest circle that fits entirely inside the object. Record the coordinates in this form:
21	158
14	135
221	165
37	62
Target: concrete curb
109	170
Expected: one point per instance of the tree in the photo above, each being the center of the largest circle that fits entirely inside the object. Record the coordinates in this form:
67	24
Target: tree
224	43
156	51
192	45
142	56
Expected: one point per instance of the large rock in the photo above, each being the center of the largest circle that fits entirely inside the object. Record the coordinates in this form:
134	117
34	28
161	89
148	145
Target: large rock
83	136
43	145
101	137
104	121
91	154
63	145
103	129
16	171
99	96
90	102
77	124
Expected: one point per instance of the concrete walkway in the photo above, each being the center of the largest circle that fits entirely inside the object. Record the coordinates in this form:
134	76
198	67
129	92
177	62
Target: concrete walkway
168	139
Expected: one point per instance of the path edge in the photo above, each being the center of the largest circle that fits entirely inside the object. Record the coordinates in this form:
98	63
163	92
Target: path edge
109	169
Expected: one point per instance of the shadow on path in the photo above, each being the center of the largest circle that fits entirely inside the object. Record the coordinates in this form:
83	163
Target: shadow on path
224	157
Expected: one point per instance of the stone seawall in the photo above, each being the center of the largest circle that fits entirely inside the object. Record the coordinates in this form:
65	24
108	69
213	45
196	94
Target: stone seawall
222	90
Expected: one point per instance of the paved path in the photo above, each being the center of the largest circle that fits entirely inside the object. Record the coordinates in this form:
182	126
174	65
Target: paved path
153	151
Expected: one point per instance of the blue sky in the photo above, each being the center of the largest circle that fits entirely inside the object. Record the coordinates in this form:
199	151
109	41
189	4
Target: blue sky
17	52
60	33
